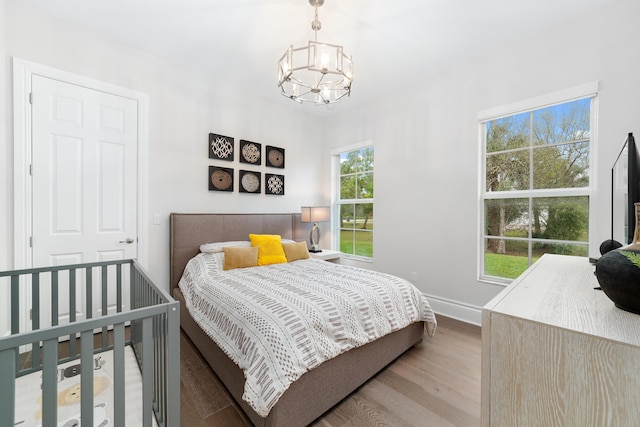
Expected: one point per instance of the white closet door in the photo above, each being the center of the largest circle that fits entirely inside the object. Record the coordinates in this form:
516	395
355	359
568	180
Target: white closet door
84	177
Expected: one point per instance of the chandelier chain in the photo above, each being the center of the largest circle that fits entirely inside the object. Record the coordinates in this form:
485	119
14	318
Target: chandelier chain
316	25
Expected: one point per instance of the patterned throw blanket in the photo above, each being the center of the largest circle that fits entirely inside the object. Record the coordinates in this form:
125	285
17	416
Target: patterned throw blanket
277	322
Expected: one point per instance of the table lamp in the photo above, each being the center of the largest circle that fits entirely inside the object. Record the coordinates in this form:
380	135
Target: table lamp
315	214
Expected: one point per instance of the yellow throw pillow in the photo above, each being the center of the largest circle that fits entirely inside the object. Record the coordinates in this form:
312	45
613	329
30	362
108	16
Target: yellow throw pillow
240	257
295	251
269	248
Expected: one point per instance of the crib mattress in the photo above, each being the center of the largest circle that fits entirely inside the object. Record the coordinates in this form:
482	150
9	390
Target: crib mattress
29	393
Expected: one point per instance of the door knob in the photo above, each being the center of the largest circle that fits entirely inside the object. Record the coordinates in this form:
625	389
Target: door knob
129	240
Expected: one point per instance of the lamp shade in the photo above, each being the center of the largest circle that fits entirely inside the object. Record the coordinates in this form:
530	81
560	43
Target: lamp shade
315	213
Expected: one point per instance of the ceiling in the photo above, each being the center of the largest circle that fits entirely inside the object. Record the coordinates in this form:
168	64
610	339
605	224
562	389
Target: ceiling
394	44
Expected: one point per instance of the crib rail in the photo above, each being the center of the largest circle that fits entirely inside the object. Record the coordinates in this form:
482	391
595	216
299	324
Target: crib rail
119	301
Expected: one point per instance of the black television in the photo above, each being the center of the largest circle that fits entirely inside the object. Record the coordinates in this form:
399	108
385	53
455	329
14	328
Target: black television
625	191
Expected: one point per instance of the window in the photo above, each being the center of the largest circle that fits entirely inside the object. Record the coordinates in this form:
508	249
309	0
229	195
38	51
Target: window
536	185
354	201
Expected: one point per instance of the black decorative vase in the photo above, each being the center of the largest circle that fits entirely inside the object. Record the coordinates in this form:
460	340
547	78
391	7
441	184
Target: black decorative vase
618	272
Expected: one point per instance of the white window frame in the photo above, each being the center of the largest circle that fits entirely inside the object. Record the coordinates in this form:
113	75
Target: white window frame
335	199
588	90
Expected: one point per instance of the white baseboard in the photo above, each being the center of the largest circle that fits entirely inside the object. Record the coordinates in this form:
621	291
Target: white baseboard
456	310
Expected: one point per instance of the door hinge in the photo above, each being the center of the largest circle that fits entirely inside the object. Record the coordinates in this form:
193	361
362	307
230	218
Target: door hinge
31	170
31	314
31	98
30	241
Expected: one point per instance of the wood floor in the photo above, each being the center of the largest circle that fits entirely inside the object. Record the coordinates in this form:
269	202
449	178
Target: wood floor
434	384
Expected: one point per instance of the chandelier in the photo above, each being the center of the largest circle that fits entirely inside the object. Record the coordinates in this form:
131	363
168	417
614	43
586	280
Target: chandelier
319	72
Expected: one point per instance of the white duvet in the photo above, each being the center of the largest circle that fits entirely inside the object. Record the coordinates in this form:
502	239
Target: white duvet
277	322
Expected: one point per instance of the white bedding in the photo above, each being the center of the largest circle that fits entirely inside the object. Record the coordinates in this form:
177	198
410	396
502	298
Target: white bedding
278	321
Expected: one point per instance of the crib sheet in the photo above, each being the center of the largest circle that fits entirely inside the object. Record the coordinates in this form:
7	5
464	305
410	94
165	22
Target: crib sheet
29	395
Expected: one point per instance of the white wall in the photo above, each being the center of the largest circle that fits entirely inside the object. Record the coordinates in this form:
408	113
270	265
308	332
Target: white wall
6	157
427	148
6	153
426	138
184	106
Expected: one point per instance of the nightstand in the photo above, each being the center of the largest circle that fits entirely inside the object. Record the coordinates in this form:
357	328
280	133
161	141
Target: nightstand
327	255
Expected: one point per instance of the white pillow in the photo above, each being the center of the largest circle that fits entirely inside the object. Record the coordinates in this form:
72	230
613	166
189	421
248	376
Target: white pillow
212	248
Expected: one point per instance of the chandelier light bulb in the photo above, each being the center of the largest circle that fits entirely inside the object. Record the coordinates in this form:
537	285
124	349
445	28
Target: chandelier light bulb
324	60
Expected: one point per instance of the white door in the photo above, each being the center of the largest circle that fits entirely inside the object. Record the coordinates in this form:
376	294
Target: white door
84	180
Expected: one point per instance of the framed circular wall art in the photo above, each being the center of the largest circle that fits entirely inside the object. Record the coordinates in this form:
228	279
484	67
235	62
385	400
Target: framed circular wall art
250	152
274	184
220	147
220	179
275	157
250	182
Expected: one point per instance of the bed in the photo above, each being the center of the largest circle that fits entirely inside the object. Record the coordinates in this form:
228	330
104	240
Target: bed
99	342
317	390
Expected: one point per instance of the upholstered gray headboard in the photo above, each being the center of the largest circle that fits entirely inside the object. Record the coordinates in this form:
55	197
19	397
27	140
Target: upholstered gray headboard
190	230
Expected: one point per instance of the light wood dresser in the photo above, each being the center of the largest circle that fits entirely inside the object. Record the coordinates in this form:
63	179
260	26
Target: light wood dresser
557	352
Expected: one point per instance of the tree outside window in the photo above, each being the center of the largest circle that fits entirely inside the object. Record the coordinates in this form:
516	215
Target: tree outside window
355	202
536	186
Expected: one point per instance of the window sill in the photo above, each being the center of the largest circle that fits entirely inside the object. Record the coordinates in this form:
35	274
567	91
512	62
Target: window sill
495	281
357	258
